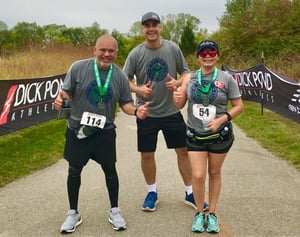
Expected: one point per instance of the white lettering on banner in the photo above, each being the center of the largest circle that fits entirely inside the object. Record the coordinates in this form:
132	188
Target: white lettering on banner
263	80
294	109
244	79
266	97
296	100
38	91
262	85
49	88
255	80
30	111
256	83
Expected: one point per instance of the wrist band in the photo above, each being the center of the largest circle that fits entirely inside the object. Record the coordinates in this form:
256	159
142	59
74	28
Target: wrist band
229	117
135	112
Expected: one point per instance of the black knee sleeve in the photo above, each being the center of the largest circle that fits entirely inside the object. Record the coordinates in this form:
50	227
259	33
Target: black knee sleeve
74	171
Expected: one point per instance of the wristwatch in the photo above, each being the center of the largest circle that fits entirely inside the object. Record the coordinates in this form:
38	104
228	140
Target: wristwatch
229	117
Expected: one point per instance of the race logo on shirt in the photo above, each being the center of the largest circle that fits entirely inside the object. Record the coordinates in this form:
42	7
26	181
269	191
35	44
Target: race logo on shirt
198	96
157	69
93	94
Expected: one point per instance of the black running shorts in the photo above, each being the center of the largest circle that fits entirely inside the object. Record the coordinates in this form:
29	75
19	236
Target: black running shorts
173	128
100	147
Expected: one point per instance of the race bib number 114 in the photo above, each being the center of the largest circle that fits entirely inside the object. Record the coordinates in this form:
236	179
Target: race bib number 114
93	120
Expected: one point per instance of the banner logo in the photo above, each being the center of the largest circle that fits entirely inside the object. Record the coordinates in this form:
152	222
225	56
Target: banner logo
7	104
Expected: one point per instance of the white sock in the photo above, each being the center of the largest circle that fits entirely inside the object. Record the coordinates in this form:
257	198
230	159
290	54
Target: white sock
188	189
151	188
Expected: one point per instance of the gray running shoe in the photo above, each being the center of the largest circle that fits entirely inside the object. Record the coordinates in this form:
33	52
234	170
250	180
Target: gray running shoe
72	221
116	219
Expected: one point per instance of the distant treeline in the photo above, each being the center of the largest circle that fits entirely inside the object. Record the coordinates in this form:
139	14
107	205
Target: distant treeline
249	30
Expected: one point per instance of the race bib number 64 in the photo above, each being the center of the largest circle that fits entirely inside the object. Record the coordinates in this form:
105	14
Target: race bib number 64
93	120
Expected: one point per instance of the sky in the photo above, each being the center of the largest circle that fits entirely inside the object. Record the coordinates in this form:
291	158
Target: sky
109	14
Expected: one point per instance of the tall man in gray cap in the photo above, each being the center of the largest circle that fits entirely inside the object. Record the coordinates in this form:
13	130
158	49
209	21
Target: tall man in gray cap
151	63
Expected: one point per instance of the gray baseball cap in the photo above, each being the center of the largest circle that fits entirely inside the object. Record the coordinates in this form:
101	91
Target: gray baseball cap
150	16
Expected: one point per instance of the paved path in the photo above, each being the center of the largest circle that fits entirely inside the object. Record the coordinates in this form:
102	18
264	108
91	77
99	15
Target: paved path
260	196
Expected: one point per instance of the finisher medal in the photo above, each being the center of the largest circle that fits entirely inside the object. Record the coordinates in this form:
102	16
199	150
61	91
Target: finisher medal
205	89
205	101
102	88
101	103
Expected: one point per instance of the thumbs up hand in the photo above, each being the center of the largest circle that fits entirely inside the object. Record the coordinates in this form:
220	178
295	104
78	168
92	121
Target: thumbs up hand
142	111
146	91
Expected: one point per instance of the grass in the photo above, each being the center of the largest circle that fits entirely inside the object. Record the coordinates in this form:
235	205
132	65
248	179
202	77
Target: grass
38	63
275	133
30	149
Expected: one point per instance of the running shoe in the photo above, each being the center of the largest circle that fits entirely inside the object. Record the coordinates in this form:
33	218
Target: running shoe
198	224
116	219
190	201
150	202
72	221
212	223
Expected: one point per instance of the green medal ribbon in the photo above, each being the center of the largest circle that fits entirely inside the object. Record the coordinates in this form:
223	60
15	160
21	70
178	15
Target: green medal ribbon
102	89
206	88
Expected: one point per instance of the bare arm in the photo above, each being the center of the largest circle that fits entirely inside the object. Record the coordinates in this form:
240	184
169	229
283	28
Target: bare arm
237	108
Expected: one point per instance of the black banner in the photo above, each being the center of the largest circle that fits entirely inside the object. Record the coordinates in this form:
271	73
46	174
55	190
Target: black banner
27	102
277	93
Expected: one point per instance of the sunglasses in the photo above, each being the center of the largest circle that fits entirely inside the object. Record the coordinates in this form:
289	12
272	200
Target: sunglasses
211	53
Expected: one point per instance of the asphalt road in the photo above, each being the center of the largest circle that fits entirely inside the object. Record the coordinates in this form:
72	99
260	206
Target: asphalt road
260	195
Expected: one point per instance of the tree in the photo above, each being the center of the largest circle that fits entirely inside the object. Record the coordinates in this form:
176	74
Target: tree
92	33
173	25
135	29
187	43
123	50
74	35
3	26
27	35
255	26
6	43
53	34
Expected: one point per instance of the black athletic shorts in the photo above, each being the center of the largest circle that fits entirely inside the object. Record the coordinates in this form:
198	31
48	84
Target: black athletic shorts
173	128
100	147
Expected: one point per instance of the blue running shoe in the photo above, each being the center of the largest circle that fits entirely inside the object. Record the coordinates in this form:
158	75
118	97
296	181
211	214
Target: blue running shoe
198	224
189	200
150	202
212	224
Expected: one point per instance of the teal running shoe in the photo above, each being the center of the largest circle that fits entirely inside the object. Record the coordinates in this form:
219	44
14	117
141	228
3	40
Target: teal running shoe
150	202
212	224
198	224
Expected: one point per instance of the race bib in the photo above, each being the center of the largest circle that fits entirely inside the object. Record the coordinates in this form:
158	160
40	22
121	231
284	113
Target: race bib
93	120
204	113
